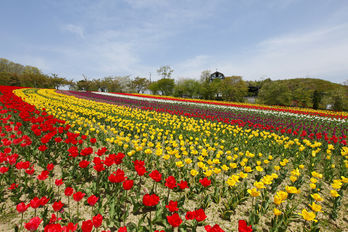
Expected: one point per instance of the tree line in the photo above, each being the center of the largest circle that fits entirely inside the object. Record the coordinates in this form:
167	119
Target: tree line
300	92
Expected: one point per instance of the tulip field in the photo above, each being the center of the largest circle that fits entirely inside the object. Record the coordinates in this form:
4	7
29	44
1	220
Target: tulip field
93	161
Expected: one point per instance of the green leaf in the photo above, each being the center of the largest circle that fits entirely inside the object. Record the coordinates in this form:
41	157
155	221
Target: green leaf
226	215
112	209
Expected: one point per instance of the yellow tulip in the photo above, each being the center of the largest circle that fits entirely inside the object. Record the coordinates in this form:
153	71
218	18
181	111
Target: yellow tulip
292	189
193	172
316	208
277	212
308	216
243	175
317	175
317	197
334	193
253	192
259	185
293	178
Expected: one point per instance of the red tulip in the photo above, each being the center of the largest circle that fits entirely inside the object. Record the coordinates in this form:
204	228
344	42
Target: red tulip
33	224
92	200
243	227
183	184
119	157
44	200
58	182
43	175
35	203
54	218
101	151
7	150
215	228
190	215
70	227
57	206
156	175
150	200
78	196
87	226
200	215
3	170
68	191
122	229
174	220
53	228
99	167
139	167
50	167
30	171
97	220
205	182
109	160
141	170
22	207
84	164
172	206
42	148
13	186
128	184
86	151
170	182
117	177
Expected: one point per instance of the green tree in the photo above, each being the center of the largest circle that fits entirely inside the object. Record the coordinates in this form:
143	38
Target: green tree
166	86
187	88
140	84
210	90
302	96
112	84
234	88
317	96
84	84
5	78
339	99
275	93
57	81
153	87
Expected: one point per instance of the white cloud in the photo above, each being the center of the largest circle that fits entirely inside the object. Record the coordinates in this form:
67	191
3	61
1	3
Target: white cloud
318	53
321	53
75	29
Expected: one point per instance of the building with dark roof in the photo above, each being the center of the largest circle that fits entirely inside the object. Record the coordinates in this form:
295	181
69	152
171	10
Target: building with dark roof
216	75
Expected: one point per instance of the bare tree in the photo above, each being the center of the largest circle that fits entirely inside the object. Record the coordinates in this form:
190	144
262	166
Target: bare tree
165	71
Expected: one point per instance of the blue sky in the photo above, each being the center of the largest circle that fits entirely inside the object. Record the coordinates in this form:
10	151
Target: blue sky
253	38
